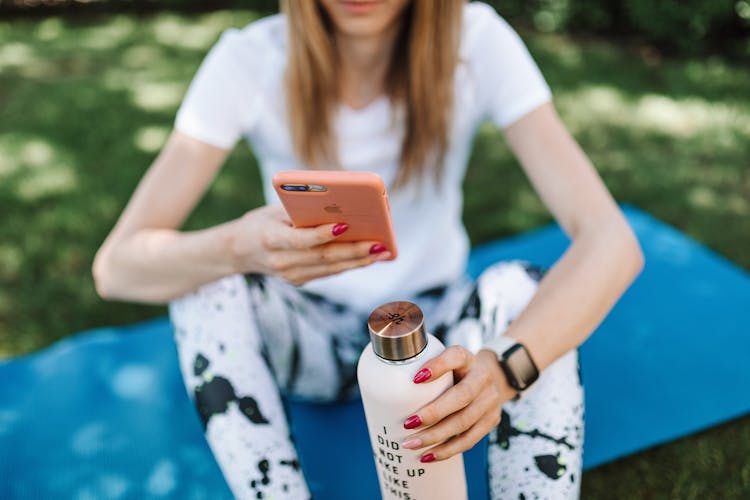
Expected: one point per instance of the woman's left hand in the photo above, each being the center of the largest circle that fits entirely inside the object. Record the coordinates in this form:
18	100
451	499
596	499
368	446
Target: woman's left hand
465	413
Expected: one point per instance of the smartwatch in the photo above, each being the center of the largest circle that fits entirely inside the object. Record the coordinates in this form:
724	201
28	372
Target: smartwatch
515	361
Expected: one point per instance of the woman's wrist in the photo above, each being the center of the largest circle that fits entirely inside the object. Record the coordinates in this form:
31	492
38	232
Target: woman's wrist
228	250
498	377
234	247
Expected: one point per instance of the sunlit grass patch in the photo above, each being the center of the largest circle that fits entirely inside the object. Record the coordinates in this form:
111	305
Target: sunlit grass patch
658	113
151	139
33	168
156	96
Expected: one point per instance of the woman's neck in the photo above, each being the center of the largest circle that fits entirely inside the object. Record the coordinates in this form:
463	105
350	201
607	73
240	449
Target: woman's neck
363	63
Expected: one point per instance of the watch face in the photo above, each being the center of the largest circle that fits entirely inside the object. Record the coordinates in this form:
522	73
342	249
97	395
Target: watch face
520	364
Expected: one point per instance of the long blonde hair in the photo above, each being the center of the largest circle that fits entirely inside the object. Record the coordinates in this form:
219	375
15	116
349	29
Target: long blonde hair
420	78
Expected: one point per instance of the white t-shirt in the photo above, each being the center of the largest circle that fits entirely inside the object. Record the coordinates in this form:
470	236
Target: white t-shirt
238	92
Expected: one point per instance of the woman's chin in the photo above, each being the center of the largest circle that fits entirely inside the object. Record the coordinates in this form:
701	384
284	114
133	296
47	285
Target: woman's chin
364	18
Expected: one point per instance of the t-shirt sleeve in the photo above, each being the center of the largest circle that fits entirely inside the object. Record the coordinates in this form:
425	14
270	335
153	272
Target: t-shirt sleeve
510	82
221	102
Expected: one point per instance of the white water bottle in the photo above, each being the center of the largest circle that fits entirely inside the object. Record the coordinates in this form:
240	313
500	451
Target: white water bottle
399	346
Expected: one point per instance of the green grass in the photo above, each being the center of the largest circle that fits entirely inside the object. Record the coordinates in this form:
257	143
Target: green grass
86	104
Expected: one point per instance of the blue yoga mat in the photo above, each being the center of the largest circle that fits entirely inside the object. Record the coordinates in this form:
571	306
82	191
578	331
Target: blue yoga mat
104	414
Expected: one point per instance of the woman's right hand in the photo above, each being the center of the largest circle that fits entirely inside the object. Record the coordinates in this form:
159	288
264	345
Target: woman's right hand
265	241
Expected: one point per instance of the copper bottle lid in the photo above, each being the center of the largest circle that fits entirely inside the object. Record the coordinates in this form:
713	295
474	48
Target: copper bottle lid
397	331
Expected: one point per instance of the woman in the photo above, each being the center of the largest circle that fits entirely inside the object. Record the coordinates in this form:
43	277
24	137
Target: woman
396	87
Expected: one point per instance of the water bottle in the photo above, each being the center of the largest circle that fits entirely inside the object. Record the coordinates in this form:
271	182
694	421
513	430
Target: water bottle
399	345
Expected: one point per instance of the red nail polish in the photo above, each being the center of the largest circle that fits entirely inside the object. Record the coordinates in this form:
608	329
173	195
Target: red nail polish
422	375
377	248
412	422
339	229
427	458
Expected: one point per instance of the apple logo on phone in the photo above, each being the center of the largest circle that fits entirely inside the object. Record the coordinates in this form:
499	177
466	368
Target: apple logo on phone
333	209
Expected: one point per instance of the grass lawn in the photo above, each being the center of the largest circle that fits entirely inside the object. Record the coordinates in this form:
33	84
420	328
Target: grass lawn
86	104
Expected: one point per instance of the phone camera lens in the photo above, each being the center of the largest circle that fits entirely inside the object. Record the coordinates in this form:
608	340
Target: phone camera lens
294	187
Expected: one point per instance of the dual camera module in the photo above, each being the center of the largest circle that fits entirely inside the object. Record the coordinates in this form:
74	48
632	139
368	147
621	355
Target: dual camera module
304	187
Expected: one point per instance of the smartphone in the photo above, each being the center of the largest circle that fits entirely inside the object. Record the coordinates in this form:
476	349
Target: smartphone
315	197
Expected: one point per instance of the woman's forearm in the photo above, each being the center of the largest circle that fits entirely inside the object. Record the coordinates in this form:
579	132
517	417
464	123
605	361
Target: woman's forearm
157	265
579	290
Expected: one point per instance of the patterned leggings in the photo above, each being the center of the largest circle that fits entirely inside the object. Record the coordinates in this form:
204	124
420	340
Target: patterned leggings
244	342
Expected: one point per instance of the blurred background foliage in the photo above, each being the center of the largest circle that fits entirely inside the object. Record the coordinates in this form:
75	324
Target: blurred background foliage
686	26
675	26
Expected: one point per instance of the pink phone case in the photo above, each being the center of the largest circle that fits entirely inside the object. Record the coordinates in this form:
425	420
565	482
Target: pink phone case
315	197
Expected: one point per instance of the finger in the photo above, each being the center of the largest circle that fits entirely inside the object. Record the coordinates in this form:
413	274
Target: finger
314	272
303	274
462	442
329	253
455	358
454	424
454	399
284	236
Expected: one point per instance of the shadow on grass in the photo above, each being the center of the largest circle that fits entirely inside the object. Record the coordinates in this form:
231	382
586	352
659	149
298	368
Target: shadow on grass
84	109
673	139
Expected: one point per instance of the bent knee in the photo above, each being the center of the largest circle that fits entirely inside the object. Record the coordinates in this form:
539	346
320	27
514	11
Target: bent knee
513	283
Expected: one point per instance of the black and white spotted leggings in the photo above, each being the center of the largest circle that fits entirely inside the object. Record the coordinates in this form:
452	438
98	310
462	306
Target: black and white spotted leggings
244	341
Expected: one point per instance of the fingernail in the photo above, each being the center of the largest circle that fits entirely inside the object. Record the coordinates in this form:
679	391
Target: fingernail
339	229
412	443
377	248
422	375
412	422
427	458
